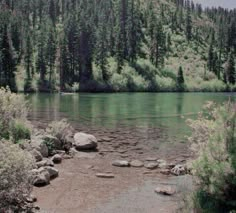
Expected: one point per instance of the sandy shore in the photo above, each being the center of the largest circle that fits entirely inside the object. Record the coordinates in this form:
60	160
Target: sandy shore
77	189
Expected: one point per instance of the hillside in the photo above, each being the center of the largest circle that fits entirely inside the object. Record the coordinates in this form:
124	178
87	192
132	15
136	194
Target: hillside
116	45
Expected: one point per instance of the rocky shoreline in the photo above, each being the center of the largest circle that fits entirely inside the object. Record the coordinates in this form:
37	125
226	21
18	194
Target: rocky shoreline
79	145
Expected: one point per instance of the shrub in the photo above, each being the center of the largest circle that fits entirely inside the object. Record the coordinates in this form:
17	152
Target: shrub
15	185
214	144
59	129
12	106
118	82
19	130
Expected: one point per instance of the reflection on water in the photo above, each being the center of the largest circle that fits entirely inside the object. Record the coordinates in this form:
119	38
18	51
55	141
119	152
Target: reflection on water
167	110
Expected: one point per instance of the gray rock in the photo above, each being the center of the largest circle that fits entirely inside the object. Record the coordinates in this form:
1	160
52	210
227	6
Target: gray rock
45	162
151	165
165	190
84	141
57	159
41	177
37	155
136	163
121	163
105	175
53	172
38	143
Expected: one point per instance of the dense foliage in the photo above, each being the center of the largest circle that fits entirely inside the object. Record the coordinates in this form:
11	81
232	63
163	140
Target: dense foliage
214	143
15	164
13	116
15	167
118	45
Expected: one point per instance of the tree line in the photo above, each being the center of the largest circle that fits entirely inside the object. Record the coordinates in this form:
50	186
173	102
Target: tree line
61	41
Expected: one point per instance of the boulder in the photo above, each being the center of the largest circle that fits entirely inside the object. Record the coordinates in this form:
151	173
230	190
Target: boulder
54	142
179	170
121	163
37	155
136	163
38	143
105	175
56	159
45	162
53	172
165	190
41	177
151	165
84	141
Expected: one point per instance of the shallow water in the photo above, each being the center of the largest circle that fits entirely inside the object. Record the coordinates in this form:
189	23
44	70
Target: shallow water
168	111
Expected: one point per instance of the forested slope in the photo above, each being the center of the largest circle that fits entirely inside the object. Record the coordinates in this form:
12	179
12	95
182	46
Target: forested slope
116	45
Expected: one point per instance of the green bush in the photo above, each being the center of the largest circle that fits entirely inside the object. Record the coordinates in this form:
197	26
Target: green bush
15	176
214	144
19	130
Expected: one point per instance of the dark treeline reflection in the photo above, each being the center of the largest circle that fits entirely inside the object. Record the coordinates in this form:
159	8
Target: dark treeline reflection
165	110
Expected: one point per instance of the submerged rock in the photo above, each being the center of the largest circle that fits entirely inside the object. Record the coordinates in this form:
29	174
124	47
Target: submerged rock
162	164
136	163
151	165
165	190
105	175
151	159
121	163
84	141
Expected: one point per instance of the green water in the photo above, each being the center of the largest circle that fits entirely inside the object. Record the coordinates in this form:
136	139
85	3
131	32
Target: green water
166	110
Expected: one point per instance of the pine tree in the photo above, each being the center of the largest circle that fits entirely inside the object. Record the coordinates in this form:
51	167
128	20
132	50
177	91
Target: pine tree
121	38
41	63
134	31
230	71
65	75
188	21
52	12
101	46
210	62
159	45
180	79
85	54
51	54
8	62
28	64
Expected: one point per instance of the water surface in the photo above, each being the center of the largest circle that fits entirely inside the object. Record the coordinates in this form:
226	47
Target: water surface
138	110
